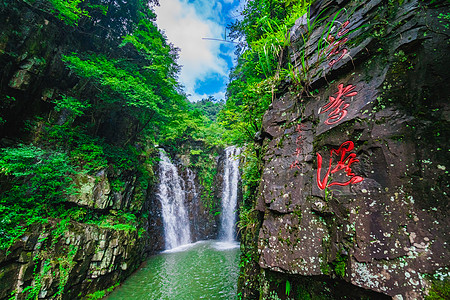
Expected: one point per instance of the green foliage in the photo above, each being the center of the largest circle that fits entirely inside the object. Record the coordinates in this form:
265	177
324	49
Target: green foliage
149	41
43	175
60	229
131	87
73	105
89	155
209	107
103	9
251	168
247	219
118	220
66	264
340	264
246	258
274	36
205	165
440	290
141	85
68	11
288	287
247	101
444	19
196	152
33	290
101	294
34	179
265	26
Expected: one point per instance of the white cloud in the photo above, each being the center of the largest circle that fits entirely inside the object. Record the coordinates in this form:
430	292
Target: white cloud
185	26
217	96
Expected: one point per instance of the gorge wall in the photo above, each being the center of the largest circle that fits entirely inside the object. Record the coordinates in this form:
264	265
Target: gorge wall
62	258
353	200
69	258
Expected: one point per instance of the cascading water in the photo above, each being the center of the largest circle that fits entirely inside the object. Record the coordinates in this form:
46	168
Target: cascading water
229	194
201	270
172	196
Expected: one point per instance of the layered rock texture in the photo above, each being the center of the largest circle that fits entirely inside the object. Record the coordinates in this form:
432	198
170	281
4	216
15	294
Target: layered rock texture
354	191
68	260
69	263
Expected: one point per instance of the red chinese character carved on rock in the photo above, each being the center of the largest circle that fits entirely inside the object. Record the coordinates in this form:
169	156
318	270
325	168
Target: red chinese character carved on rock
297	152
338	105
341	31
295	164
344	163
337	43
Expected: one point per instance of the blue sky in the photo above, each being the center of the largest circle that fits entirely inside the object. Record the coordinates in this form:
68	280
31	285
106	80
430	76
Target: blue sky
205	63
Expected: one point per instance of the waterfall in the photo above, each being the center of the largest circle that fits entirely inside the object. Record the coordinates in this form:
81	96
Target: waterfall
229	194
172	197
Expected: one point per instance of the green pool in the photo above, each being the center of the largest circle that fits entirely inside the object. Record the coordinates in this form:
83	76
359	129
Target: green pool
203	270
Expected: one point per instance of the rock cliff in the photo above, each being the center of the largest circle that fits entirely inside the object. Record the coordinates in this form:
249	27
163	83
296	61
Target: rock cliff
81	259
65	258
354	191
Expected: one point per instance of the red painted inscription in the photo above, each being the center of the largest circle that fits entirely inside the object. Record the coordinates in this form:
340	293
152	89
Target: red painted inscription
337	106
344	163
336	44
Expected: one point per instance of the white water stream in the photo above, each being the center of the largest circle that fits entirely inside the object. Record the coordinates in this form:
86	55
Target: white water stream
172	197
229	194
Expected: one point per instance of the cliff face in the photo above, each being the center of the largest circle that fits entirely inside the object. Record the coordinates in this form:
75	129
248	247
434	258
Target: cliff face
65	259
69	258
80	260
354	190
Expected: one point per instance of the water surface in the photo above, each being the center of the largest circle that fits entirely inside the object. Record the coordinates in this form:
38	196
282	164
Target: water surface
202	270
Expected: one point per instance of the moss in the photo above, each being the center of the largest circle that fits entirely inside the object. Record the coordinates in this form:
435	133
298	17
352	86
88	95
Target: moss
339	265
325	268
303	294
101	294
440	289
298	213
